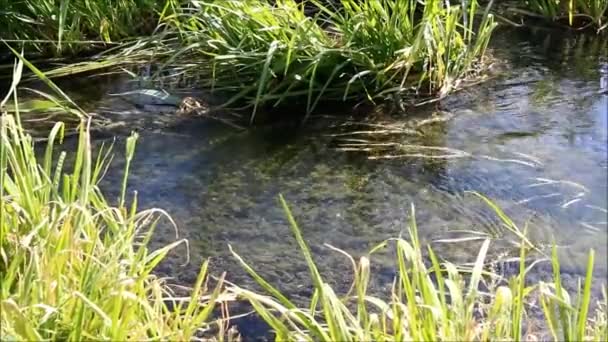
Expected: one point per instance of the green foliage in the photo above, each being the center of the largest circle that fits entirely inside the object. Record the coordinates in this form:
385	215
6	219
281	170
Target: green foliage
568	316
268	53
73	267
60	26
429	301
577	13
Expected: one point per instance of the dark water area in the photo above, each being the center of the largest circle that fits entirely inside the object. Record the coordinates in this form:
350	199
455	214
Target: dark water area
533	139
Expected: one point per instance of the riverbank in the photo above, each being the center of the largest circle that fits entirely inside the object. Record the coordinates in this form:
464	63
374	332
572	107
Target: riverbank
60	28
578	15
263	54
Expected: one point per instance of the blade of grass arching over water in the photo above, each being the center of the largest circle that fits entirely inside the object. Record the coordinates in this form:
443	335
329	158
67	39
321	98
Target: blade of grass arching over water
47	81
17	73
271	289
508	223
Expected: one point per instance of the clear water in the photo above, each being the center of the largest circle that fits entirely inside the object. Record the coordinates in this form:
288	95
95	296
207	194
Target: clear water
534	139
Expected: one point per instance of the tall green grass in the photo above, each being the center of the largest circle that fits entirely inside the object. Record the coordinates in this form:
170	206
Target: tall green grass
430	300
72	266
72	26
270	53
576	13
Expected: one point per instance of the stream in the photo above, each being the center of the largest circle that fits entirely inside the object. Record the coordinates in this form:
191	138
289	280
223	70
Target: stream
533	139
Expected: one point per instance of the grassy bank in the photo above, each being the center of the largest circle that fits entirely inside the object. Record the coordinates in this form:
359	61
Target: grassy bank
265	54
73	267
269	54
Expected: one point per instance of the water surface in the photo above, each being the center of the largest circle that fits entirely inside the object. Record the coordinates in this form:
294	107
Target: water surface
533	139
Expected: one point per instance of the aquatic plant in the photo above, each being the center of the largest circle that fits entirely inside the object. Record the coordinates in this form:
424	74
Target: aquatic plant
580	14
268	53
72	266
72	26
430	300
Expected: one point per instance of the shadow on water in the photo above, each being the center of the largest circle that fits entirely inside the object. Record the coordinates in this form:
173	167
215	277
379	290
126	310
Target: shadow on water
533	139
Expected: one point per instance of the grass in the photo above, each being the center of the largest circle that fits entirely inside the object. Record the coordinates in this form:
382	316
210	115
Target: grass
429	301
72	266
265	54
60	27
579	14
280	54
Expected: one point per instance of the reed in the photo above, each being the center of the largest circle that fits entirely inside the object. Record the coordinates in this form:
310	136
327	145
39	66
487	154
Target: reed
72	266
62	27
430	300
265	54
580	14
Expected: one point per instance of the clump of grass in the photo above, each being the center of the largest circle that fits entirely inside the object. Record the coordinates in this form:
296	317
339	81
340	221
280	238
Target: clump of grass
72	266
580	14
429	301
72	26
268	53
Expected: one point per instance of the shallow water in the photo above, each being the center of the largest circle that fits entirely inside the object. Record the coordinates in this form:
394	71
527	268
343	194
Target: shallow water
534	139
